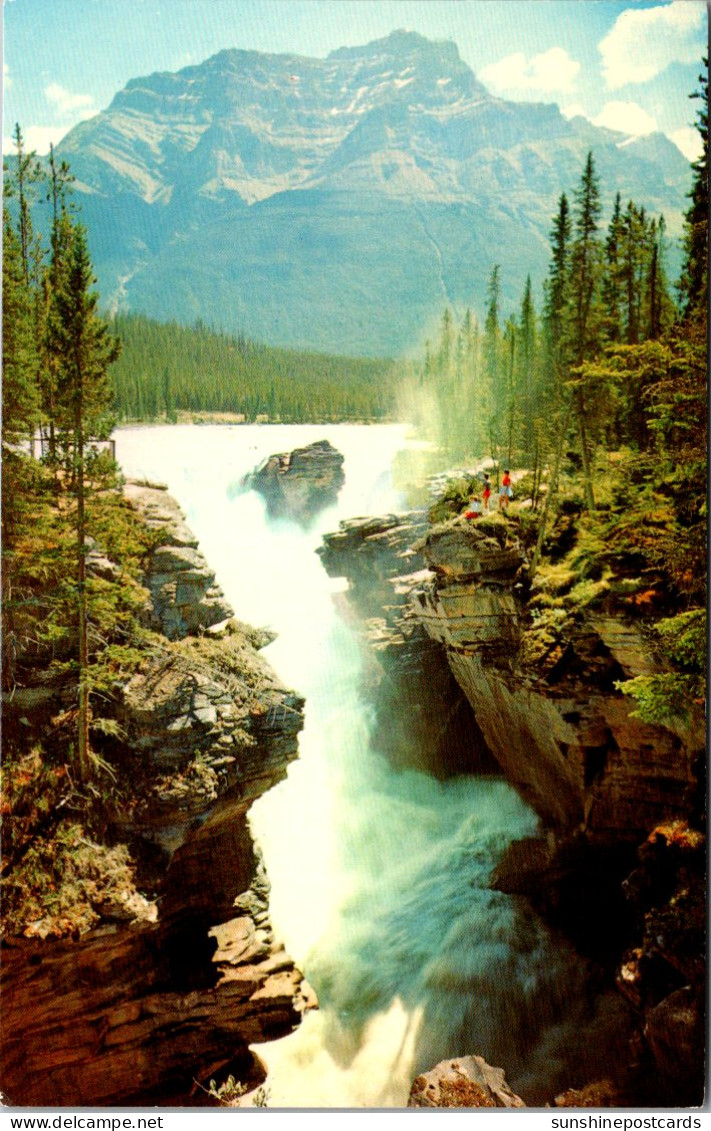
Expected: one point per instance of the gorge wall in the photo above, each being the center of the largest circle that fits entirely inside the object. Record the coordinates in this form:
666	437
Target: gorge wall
181	972
544	710
547	709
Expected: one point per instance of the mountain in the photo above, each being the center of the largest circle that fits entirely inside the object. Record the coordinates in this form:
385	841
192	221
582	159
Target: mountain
337	203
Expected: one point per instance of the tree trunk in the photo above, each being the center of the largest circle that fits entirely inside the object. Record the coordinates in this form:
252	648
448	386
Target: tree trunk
83	764
552	490
585	452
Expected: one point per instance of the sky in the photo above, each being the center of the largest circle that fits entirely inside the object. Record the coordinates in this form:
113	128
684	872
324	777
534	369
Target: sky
627	64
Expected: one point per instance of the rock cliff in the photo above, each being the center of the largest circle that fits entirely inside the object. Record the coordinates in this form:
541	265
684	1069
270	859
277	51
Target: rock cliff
548	707
166	989
299	484
184	596
546	704
421	716
546	710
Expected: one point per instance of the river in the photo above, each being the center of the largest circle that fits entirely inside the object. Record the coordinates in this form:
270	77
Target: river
379	876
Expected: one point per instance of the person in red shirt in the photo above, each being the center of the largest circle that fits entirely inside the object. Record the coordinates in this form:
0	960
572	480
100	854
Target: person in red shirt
505	491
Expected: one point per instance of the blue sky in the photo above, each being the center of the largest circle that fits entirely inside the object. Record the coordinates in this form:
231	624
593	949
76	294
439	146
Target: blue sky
627	64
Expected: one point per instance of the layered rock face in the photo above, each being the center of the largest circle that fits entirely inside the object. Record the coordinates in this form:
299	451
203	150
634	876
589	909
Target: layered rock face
184	596
552	719
554	722
550	714
422	718
301	483
140	1008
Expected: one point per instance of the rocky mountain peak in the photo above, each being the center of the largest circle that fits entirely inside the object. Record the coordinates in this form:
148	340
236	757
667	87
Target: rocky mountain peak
402	44
387	167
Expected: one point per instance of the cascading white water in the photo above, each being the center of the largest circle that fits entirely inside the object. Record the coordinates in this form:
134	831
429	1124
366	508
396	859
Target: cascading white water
379	876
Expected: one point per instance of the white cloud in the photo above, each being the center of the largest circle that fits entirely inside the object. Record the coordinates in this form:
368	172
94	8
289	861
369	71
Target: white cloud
574	111
7	81
552	71
65	107
66	104
627	117
688	140
38	138
643	42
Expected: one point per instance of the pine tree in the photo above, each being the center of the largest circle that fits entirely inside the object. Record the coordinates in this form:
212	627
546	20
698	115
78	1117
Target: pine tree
556	290
584	327
693	284
585	265
660	309
611	283
24	174
20	398
493	399
525	376
446	341
84	350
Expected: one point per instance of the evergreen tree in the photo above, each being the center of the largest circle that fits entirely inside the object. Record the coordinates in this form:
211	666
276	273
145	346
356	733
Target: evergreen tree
23	175
633	256
556	290
584	326
84	350
20	398
611	284
525	375
585	267
693	284
493	398
446	342
660	309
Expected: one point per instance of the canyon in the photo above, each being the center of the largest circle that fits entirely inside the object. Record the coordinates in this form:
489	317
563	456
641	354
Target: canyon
181	970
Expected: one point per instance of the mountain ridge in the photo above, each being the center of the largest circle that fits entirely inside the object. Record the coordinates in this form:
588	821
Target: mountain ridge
420	181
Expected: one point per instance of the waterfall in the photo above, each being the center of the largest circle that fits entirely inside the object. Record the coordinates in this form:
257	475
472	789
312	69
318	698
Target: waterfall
380	877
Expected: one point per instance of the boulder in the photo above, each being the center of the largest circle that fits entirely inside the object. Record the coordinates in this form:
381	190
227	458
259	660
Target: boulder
299	484
675	1032
467	1081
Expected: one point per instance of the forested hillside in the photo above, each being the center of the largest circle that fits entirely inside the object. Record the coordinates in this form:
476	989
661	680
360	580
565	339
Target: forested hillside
165	369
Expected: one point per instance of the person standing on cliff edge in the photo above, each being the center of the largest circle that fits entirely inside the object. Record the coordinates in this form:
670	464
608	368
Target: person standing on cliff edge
505	491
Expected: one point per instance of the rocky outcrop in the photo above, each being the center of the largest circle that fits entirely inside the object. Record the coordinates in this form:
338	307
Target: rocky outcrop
142	1006
184	596
299	484
128	1015
466	1082
421	716
547	705
542	690
544	705
664	977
